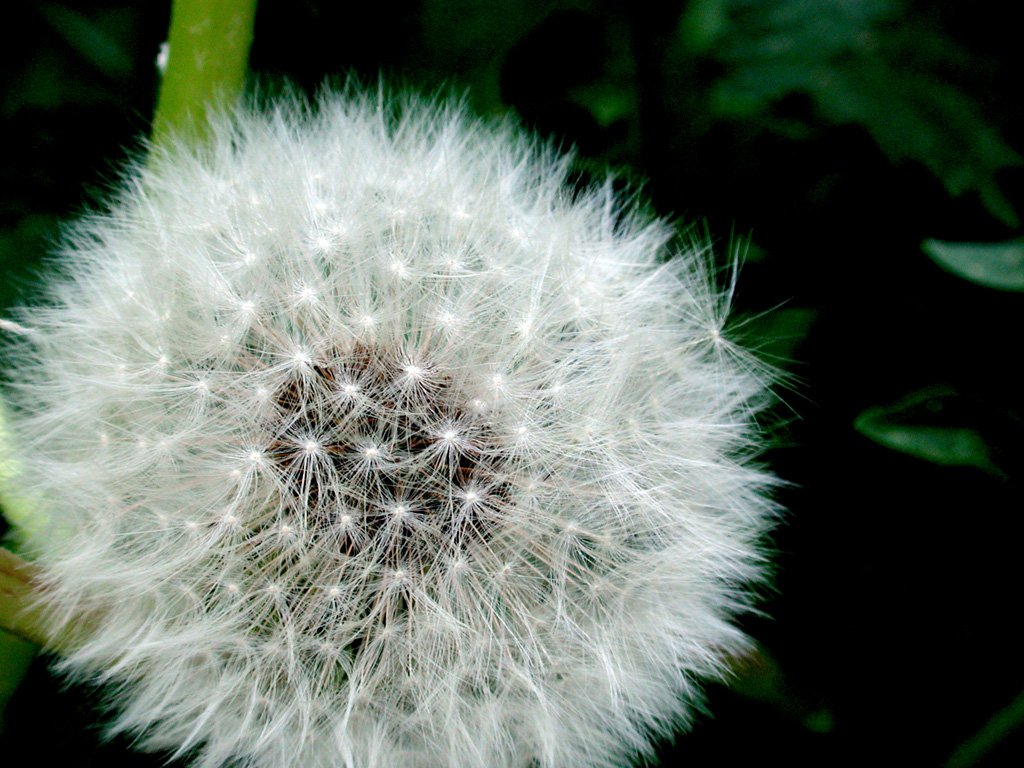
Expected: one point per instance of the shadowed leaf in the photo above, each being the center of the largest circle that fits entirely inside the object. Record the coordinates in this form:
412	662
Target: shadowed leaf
920	425
994	265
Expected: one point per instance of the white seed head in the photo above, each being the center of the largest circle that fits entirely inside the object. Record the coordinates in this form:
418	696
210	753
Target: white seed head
374	540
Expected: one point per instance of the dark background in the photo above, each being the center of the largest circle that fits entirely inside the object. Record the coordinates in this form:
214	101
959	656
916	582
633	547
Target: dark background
831	138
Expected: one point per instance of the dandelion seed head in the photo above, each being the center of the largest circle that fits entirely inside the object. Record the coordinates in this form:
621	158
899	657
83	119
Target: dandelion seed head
398	453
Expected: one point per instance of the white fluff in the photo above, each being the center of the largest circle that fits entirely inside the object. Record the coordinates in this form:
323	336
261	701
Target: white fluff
365	441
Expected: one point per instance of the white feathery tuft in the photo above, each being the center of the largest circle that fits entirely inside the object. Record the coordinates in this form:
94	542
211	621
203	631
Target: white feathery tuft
365	441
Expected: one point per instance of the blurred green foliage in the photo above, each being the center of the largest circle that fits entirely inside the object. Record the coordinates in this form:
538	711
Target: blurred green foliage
834	138
869	63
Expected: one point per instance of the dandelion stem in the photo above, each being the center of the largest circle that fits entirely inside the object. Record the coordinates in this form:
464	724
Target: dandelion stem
207	61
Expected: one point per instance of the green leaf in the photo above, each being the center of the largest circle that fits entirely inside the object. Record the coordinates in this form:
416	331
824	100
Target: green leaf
920	425
957	447
994	265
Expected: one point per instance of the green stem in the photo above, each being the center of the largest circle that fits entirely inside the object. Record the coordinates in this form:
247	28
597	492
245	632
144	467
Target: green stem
207	62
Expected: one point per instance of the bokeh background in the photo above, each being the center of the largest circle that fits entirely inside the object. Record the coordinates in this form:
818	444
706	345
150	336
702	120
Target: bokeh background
864	156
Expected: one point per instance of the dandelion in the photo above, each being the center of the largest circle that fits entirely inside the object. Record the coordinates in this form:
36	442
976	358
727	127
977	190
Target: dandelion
364	441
